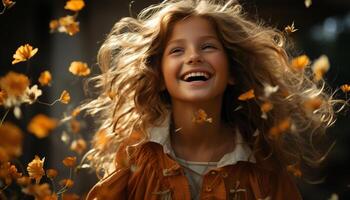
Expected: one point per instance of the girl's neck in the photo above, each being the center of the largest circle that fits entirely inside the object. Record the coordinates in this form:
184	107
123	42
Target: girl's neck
204	141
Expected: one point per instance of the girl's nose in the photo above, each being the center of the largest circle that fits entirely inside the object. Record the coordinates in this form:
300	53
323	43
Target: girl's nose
194	57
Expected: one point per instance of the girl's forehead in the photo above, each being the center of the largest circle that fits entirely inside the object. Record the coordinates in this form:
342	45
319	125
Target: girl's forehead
194	25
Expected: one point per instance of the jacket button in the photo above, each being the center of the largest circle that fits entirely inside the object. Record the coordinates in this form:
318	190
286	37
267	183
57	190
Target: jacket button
224	174
208	189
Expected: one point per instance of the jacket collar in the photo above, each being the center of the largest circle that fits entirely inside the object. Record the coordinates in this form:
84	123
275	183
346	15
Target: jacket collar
242	152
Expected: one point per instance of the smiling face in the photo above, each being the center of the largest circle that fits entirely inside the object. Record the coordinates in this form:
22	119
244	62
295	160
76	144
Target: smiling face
194	63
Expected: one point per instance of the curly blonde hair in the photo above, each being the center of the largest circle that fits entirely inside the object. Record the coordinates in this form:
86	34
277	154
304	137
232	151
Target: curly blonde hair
130	85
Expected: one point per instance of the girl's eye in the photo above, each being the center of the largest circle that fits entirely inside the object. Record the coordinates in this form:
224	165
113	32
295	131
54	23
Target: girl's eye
208	46
175	50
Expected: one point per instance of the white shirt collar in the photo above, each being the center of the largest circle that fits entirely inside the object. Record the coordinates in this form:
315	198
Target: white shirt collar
242	152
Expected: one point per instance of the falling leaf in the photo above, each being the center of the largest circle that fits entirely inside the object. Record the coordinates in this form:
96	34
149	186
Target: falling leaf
281	127
320	67
78	146
11	141
265	108
201	116
345	88
35	169
24	53
65	97
45	78
69	161
14	84
74	5
247	95
300	62
307	3
79	68
41	125
290	29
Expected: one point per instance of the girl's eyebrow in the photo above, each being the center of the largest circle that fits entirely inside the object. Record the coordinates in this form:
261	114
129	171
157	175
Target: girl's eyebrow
200	38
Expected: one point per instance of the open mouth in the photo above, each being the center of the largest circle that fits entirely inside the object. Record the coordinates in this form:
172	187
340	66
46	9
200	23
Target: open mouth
196	76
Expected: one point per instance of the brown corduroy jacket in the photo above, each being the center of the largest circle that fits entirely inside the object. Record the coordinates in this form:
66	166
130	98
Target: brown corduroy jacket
151	174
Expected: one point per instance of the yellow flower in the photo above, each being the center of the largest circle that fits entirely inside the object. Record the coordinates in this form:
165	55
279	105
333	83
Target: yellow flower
41	125
51	173
201	116
11	141
265	108
79	68
320	67
45	78
300	62
35	169
14	84
68	25
74	5
78	146
247	95
24	53
75	112
67	183
345	88
276	131
32	94
54	24
65	97
69	161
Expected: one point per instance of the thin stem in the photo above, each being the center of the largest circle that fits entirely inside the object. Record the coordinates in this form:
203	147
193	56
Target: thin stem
48	104
3	117
65	188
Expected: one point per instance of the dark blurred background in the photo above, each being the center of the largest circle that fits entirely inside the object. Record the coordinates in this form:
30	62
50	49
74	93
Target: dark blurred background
323	28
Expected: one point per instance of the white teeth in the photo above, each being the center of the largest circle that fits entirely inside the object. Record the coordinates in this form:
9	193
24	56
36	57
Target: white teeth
193	74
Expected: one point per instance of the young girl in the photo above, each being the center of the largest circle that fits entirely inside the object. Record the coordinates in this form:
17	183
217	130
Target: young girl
199	102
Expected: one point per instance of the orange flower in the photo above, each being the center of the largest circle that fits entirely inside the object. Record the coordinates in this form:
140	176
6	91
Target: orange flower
24	53
23	181
75	112
101	139
300	62
345	88
75	125
35	169
67	196
65	97
78	146
295	170
41	125
281	127
201	116
320	67
290	28
14	84
79	68
39	191
54	24
313	104
45	78
74	5
51	173
68	25
247	95
69	161
11	141
67	183
3	97
8	3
